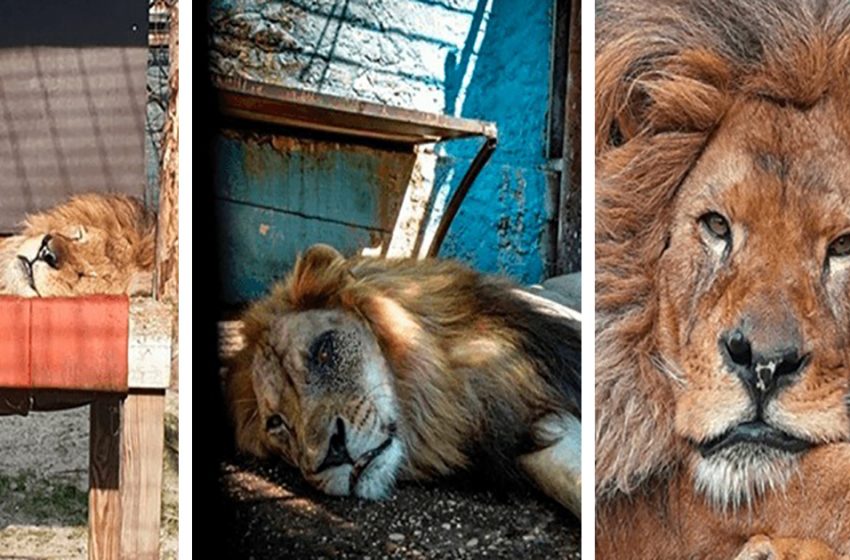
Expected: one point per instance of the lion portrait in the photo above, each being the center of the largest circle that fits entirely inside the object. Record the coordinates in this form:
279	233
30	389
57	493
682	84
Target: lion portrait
364	371
92	244
723	278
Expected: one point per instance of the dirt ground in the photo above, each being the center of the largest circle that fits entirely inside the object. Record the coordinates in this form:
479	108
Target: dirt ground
44	484
277	515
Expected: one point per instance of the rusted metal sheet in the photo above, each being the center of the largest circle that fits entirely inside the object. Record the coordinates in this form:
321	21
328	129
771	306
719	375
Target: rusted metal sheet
255	101
343	183
258	245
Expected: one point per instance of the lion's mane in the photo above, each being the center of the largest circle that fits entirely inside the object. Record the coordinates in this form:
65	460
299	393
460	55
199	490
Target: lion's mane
666	74
460	408
130	228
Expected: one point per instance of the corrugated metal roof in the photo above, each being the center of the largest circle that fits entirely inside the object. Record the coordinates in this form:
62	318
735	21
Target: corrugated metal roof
71	121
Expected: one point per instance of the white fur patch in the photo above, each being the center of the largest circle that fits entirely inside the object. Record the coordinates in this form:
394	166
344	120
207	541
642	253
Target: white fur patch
378	480
736	477
556	468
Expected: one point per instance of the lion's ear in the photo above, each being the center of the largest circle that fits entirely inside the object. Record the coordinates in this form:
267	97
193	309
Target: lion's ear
319	274
317	257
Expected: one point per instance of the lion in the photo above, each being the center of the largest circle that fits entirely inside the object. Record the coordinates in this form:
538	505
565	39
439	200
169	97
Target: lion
92	244
364	371
723	276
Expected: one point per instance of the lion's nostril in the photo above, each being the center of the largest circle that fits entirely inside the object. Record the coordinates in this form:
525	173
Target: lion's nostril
739	348
790	364
337	450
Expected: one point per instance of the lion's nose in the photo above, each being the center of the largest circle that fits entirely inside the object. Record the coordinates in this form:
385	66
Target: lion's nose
337	450
762	369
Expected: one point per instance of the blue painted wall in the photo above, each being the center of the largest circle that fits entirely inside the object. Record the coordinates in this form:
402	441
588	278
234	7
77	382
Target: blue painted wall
483	59
503	225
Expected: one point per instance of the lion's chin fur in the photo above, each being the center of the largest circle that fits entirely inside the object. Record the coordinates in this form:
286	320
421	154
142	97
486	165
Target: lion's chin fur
13	279
736	478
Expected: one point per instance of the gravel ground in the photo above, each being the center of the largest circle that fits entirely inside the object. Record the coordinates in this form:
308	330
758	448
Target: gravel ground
277	515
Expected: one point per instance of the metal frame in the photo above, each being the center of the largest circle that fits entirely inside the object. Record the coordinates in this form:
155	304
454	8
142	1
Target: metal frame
255	101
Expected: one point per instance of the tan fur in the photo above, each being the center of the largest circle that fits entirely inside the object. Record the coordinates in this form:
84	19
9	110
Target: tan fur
104	245
704	106
448	362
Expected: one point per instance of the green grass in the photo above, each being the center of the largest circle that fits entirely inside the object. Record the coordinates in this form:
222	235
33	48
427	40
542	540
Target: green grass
30	498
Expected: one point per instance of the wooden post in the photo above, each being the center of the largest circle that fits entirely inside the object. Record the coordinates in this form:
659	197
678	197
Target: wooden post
165	288
126	441
104	479
142	440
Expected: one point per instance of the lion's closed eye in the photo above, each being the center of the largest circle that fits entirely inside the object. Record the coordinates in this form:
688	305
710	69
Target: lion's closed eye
840	248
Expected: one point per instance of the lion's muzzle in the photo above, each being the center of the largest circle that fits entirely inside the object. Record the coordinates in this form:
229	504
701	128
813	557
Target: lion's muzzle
763	367
756	433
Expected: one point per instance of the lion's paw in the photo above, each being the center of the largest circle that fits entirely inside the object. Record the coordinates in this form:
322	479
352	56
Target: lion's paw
761	547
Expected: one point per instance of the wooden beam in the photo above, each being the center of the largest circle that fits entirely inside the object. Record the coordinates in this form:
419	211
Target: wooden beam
165	283
142	441
104	478
569	214
149	352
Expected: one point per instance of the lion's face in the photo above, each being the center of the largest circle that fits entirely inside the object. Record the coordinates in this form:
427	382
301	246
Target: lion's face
91	245
326	402
754	308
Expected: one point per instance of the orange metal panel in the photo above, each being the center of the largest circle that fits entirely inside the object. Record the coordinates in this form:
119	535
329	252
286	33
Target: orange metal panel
80	343
14	343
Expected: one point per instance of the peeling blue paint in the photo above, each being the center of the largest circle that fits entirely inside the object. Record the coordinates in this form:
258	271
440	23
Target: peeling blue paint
482	59
506	210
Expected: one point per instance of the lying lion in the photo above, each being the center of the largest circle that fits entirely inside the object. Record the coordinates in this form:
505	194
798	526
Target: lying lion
92	244
362	372
723	279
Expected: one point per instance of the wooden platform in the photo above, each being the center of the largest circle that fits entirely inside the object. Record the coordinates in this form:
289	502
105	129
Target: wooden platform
113	354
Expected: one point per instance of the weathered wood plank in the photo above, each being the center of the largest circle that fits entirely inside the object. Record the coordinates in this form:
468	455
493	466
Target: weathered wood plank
142	440
79	343
149	351
14	344
104	479
167	249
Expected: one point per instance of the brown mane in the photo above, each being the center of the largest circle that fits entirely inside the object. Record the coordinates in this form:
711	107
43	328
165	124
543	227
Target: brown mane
425	315
120	216
666	75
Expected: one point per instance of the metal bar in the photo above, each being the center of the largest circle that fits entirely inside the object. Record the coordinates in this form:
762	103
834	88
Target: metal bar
245	99
481	158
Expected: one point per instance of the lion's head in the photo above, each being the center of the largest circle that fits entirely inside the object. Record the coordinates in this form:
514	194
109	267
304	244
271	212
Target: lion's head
723	241
363	371
93	244
320	392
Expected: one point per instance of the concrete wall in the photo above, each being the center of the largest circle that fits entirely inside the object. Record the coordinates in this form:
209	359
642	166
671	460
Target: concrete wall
483	59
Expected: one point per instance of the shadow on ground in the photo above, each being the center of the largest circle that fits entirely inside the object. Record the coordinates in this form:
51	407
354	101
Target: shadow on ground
278	516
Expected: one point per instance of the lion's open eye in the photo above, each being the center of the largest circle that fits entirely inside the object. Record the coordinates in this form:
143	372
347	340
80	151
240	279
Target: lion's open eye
716	225
840	247
275	422
46	253
323	351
